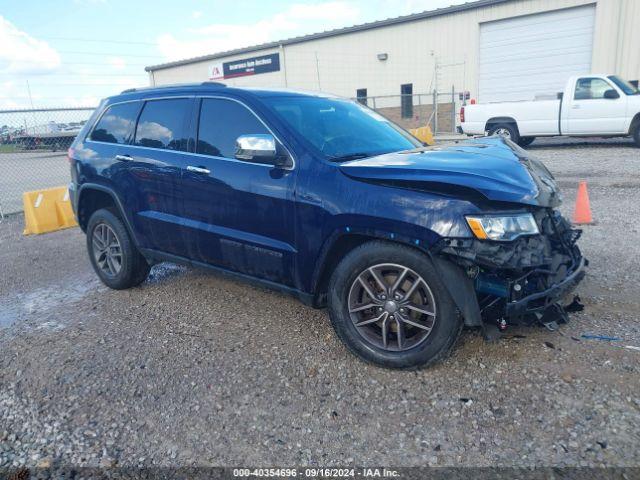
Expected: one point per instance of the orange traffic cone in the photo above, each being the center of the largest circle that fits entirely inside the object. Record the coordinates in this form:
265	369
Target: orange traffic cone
582	213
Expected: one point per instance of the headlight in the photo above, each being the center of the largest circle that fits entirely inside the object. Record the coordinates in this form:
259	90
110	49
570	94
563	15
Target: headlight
502	227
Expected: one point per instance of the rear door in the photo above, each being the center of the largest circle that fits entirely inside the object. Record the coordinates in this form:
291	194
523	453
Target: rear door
238	215
589	112
153	163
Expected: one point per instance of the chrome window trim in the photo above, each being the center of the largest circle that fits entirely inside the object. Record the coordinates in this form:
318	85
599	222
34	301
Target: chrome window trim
87	138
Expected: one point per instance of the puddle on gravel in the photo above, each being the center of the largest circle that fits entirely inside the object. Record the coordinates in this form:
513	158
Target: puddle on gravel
163	271
40	301
34	305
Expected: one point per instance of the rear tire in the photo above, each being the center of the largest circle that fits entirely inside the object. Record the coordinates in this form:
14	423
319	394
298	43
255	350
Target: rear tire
113	255
508	130
636	135
526	141
405	338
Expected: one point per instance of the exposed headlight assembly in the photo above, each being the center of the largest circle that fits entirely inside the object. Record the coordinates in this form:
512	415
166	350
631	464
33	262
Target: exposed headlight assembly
502	228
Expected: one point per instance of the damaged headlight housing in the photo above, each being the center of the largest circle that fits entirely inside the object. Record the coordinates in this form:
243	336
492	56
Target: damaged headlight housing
502	228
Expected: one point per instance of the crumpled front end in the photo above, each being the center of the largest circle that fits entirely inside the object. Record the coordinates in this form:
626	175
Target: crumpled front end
525	280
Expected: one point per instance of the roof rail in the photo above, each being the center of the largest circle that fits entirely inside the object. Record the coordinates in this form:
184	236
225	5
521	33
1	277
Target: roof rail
173	85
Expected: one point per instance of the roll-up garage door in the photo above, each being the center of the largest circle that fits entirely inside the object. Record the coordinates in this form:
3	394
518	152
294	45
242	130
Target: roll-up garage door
535	54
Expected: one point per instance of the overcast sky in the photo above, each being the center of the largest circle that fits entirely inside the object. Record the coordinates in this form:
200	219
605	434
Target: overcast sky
74	52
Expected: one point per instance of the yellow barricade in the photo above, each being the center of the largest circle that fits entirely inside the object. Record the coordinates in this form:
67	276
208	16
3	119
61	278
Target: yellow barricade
424	134
47	210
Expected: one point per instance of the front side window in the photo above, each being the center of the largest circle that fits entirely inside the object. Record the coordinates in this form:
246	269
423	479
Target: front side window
340	129
221	123
116	125
591	89
161	124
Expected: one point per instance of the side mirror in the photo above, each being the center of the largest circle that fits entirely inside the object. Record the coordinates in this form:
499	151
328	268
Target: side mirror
611	94
260	148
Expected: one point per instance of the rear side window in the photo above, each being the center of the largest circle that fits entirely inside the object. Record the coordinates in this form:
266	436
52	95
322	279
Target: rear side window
161	124
221	123
116	125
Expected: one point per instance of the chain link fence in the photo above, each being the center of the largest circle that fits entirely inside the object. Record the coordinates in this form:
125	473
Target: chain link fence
33	150
441	111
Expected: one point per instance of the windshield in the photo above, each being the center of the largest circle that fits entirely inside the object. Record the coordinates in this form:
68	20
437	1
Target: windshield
341	129
625	86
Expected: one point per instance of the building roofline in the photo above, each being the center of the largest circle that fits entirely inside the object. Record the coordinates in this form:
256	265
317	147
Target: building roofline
332	33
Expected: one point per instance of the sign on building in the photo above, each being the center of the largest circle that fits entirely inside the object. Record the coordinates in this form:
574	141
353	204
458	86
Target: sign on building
245	67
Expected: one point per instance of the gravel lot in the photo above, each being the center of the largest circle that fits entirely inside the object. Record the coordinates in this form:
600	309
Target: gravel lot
192	369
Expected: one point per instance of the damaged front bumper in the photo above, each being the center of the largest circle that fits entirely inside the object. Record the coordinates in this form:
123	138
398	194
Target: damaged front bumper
540	301
522	281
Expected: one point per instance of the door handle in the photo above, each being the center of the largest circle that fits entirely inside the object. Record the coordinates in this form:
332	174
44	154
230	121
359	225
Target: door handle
124	158
575	107
198	170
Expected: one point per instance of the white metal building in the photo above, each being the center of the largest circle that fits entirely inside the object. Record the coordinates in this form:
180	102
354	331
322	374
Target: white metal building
496	49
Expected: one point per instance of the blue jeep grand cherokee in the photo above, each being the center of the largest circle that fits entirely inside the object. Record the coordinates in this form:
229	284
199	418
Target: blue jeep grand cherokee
325	199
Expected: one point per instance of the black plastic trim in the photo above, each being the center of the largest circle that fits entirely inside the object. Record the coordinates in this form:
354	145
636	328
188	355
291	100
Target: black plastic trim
156	255
550	295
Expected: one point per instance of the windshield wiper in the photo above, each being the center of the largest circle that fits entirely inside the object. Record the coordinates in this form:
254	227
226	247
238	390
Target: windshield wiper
350	156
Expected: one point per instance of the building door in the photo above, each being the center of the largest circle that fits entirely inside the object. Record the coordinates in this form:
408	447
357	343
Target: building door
535	54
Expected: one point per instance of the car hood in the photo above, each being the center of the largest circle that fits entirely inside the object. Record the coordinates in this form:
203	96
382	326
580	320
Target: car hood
493	167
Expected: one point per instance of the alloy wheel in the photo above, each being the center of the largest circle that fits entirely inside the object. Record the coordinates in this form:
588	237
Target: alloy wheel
107	250
392	307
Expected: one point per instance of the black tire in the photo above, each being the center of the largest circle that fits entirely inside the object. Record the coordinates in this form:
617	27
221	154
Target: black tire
133	267
447	323
526	141
636	135
510	128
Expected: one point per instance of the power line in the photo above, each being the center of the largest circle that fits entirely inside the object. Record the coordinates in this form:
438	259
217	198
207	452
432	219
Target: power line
80	63
81	74
54	85
72	39
109	53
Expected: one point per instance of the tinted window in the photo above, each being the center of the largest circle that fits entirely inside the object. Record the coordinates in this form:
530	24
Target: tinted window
161	124
406	102
221	122
361	95
591	88
116	124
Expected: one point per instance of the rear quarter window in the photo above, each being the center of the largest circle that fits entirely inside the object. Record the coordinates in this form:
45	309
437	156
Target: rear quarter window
116	124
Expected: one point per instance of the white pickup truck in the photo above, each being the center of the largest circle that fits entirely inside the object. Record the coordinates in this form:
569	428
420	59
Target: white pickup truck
590	106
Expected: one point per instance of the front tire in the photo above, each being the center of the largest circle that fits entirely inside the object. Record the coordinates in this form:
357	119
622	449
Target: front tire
507	130
389	307
113	255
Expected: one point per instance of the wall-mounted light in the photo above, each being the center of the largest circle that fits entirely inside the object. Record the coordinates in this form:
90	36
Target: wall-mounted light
383	56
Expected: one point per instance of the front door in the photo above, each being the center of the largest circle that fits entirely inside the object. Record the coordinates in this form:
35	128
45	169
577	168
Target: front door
238	215
591	112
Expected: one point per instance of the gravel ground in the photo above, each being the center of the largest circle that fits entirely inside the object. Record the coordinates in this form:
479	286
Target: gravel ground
193	369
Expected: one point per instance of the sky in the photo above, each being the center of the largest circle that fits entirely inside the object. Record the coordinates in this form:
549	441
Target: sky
62	53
